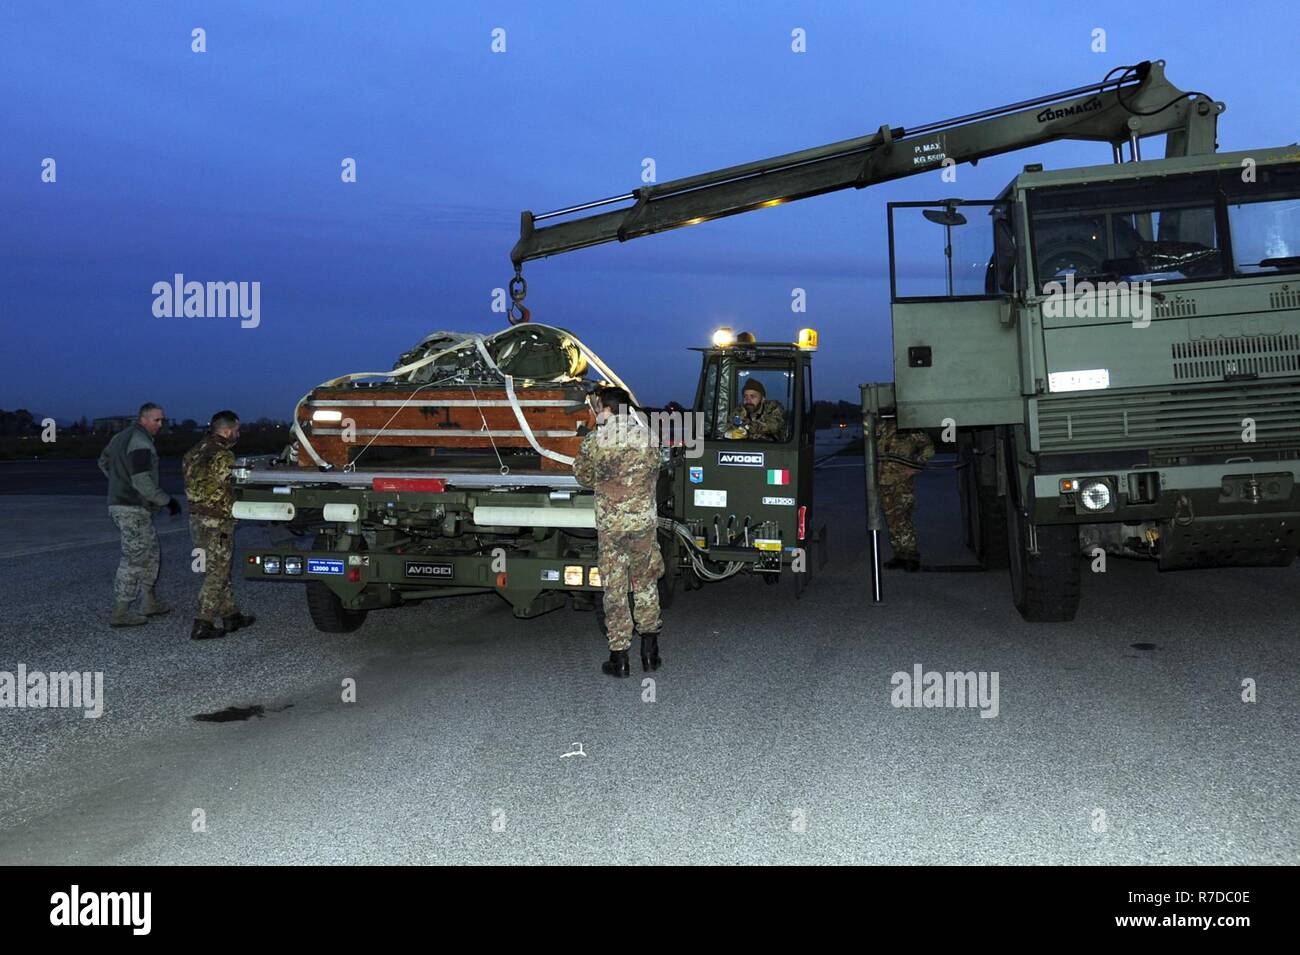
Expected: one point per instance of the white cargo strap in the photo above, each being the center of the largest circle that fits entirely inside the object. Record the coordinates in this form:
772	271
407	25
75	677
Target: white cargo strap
479	343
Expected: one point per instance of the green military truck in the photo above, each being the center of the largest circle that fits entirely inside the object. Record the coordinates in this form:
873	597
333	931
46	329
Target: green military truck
447	510
1113	351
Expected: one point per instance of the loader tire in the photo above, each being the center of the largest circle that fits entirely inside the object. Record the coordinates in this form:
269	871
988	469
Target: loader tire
327	611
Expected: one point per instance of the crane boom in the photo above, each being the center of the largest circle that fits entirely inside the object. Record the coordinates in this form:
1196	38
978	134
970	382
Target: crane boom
1140	102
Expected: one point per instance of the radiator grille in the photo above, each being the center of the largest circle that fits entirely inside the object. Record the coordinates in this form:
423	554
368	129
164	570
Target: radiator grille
1216	358
1203	417
1178	308
1284	298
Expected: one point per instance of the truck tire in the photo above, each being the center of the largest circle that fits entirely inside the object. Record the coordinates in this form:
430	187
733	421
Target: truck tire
327	611
1045	586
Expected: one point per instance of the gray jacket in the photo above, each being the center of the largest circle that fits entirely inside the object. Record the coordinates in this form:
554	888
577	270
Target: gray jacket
130	462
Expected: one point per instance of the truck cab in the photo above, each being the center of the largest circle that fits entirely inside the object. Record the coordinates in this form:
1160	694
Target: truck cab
1116	350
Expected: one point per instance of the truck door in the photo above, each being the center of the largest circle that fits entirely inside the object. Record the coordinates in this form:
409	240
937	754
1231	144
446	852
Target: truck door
956	354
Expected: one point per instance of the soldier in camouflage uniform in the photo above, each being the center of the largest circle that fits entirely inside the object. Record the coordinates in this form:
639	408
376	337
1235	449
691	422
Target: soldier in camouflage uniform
758	417
207	468
897	496
620	460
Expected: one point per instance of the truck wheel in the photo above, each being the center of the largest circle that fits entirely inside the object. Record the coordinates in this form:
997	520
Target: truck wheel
1045	586
327	611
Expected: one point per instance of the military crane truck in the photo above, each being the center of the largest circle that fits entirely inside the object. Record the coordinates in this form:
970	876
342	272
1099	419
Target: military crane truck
1114	350
451	474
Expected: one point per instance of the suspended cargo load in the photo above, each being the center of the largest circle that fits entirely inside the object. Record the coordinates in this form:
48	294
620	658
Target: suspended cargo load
515	400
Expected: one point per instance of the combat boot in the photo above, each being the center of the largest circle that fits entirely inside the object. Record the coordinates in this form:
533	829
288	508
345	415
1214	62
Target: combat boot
238	621
151	606
650	651
616	665
203	630
124	616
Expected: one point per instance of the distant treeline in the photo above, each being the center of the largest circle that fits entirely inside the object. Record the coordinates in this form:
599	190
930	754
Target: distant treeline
829	414
22	436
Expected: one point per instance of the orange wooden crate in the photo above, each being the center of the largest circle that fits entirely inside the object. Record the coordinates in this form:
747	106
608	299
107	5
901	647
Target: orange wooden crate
444	418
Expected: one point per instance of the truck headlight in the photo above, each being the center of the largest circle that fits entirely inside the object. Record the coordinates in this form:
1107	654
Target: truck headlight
270	565
293	565
1095	495
572	576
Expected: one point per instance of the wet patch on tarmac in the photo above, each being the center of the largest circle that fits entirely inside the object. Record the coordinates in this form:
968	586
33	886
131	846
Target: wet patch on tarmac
234	714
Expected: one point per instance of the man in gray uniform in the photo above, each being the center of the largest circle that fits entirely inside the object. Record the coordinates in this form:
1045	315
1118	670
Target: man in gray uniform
130	462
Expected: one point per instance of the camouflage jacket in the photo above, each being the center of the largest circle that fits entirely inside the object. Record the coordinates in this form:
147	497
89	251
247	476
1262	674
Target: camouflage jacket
766	422
621	463
207	467
913	445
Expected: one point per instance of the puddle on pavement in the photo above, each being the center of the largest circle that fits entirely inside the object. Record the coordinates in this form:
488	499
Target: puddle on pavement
235	714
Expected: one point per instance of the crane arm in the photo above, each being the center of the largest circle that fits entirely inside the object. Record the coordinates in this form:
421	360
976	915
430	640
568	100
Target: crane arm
1138	103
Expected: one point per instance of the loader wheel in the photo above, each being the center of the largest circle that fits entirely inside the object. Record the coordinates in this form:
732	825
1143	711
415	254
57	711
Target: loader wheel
327	611
667	586
1044	586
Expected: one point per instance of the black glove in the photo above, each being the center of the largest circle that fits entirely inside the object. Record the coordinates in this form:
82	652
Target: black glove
173	507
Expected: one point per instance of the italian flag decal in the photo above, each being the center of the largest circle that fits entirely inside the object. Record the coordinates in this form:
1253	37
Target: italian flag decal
778	475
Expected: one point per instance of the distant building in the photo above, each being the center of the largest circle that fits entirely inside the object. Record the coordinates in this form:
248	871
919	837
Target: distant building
112	424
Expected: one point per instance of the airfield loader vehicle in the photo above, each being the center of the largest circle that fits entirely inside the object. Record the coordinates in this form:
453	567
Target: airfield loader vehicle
452	474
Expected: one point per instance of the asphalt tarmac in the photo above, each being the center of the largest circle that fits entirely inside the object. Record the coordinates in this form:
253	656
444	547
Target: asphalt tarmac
771	735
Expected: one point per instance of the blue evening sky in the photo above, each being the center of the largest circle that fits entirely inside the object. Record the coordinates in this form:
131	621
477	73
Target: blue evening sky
225	166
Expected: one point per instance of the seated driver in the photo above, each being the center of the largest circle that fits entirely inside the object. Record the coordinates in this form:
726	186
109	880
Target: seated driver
759	417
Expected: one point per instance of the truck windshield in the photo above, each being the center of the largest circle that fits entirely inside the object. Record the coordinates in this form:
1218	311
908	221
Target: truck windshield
1152	230
1264	219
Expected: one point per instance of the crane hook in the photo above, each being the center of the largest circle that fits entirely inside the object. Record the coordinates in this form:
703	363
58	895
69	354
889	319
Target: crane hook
516	313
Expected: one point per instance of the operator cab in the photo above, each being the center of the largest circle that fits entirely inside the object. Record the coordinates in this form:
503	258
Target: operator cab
746	490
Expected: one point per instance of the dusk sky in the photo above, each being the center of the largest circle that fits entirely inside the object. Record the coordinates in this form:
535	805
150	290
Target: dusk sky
225	166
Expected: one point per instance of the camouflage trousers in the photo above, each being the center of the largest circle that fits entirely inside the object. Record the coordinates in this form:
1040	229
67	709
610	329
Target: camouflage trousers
897	500
630	563
138	568
216	540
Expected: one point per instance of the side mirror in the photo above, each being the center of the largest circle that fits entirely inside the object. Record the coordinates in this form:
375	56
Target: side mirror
1004	255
